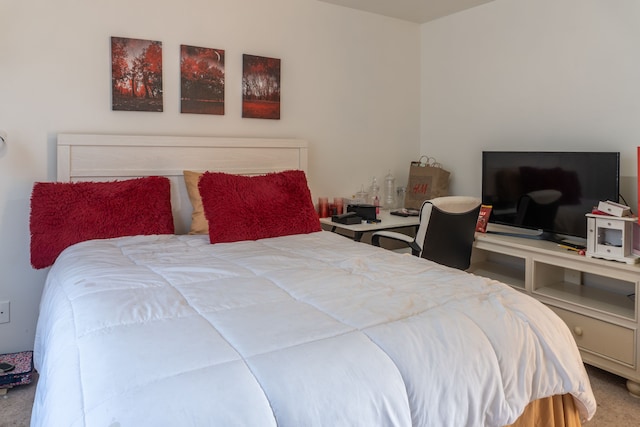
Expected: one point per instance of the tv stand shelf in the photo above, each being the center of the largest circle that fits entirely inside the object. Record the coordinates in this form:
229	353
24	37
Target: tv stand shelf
596	298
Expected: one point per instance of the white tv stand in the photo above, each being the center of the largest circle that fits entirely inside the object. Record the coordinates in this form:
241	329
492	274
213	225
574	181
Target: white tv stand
595	297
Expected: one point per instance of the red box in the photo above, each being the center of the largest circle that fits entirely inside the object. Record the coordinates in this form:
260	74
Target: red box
23	371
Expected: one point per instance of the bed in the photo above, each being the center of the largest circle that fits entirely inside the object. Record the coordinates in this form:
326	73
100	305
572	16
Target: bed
296	327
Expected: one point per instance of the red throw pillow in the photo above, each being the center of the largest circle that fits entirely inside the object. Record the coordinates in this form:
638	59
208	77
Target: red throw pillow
257	207
65	213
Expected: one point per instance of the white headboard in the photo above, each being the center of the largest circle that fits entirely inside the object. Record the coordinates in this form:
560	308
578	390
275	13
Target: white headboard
92	157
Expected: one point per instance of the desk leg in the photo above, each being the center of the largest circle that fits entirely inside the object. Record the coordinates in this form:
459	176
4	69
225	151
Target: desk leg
357	235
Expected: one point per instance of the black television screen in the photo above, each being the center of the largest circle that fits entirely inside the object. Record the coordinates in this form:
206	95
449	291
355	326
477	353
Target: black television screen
548	191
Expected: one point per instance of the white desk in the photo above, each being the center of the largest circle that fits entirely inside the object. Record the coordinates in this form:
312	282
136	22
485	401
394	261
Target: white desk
387	222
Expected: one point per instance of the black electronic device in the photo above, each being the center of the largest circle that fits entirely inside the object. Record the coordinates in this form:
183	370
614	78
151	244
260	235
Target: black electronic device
366	212
548	191
347	218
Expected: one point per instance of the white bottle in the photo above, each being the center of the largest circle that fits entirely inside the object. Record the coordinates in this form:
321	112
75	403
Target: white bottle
389	200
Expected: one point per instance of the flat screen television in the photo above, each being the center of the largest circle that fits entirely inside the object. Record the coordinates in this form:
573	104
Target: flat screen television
548	191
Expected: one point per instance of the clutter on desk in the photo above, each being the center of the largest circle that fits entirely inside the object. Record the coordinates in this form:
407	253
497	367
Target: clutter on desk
390	197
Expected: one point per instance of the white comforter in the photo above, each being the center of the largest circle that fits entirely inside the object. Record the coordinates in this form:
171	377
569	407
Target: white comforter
305	330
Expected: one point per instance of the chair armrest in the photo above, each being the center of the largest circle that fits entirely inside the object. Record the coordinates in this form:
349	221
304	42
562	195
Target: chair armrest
392	235
375	237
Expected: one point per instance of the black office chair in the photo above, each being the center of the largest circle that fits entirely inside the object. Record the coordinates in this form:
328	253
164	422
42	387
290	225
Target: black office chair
446	232
539	209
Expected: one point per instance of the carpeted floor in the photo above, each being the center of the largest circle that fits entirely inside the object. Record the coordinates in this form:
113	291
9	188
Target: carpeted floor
616	407
15	406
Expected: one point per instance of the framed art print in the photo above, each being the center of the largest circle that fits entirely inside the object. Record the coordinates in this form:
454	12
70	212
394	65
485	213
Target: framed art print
136	74
260	87
201	80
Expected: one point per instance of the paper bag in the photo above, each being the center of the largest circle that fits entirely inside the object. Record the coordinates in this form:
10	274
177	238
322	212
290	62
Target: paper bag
427	180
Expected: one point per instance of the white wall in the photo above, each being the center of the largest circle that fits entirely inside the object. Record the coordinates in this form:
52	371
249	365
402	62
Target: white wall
532	74
350	86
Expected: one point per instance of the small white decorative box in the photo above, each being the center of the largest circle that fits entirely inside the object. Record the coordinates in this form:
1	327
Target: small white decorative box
613	208
611	238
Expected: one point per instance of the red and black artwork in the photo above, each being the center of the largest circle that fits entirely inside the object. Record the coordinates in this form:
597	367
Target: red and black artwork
201	80
136	74
260	87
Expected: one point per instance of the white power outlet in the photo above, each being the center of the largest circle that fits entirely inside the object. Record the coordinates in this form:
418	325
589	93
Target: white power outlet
4	311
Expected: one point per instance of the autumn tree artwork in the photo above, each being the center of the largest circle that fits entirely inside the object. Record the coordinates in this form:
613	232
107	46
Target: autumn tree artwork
136	74
201	80
260	87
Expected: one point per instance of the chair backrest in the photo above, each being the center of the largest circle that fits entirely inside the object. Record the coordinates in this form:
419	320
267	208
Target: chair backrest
538	208
447	229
